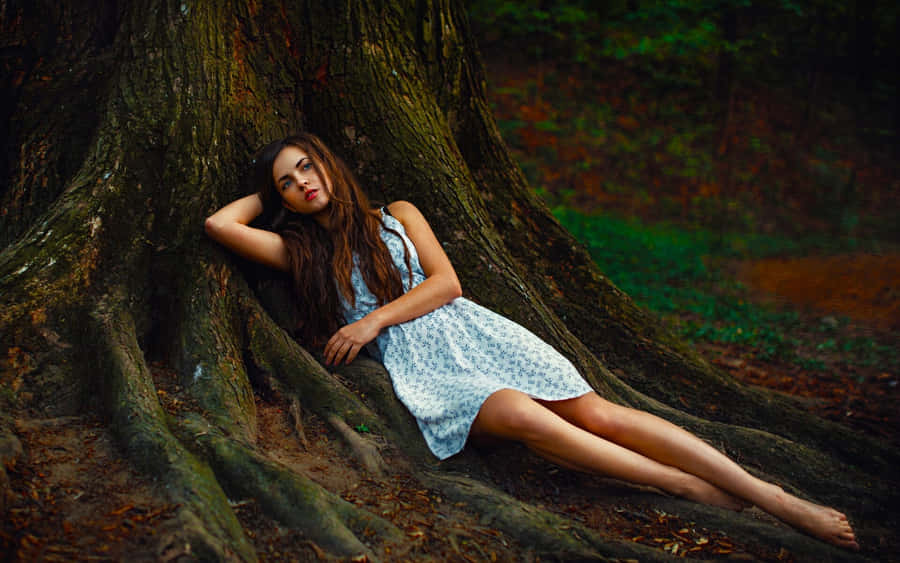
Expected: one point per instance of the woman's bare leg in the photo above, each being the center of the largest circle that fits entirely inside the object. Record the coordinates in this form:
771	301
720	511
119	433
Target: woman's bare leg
514	415
671	445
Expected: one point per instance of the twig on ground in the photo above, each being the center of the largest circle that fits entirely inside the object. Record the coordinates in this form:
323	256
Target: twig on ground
298	422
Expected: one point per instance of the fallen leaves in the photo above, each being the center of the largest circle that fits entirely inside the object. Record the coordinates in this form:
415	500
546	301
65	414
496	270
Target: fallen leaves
857	396
63	502
672	534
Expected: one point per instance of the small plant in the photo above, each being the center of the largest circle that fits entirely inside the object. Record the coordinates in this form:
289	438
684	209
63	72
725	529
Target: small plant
362	428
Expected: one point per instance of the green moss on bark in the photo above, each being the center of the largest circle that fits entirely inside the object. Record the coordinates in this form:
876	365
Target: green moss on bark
138	423
291	498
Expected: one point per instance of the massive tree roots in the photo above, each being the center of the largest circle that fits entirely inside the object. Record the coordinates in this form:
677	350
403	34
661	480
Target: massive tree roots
199	462
202	462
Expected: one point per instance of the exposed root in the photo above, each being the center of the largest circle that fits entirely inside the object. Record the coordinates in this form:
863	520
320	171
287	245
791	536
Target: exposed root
289	497
204	522
545	531
276	356
44	423
209	357
371	381
274	352
364	450
188	535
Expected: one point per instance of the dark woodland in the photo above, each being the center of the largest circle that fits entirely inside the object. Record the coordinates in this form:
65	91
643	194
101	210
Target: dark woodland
128	338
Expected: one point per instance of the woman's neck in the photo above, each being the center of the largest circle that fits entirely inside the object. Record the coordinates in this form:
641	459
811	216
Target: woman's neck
323	218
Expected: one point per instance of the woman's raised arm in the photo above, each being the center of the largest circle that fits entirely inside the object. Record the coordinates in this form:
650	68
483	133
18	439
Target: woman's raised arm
229	227
439	288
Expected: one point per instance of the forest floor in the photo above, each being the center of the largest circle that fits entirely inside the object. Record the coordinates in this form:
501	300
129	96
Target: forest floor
862	287
74	499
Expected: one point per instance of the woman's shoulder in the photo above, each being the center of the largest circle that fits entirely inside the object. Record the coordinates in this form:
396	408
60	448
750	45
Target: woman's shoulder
403	211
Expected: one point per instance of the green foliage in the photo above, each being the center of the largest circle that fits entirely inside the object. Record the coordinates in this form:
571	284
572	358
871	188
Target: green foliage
686	43
362	428
674	272
543	27
685	32
529	17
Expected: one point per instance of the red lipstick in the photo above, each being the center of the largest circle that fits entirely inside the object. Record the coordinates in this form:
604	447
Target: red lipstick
311	194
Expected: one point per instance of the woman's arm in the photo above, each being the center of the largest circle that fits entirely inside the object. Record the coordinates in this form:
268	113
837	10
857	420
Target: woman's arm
439	288
441	285
228	226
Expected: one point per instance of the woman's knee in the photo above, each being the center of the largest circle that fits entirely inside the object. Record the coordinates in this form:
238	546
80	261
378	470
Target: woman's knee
601	417
511	414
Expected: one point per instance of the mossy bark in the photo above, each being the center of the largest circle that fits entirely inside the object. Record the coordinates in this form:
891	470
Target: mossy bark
161	105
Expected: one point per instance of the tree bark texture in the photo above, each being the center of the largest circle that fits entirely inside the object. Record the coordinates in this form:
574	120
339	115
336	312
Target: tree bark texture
127	123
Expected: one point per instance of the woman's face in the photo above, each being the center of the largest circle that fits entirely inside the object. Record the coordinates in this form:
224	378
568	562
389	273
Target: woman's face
304	188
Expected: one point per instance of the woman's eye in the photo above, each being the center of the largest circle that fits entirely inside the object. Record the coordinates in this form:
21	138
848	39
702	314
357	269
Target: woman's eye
307	166
285	185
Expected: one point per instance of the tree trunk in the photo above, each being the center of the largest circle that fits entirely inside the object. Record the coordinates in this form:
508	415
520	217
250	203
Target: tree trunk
131	122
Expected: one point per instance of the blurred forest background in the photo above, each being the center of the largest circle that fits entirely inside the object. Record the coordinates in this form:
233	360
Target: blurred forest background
730	164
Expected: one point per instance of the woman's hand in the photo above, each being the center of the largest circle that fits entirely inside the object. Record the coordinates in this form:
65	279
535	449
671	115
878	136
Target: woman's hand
440	287
346	343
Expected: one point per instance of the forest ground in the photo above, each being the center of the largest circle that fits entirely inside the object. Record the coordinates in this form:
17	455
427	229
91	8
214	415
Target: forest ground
75	499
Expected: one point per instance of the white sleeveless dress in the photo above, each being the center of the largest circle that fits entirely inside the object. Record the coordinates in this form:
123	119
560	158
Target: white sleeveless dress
444	364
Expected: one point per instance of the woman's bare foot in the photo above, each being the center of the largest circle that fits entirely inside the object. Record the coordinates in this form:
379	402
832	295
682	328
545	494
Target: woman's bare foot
698	490
819	521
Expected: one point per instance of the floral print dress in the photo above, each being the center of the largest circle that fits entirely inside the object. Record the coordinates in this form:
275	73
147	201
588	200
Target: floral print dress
444	364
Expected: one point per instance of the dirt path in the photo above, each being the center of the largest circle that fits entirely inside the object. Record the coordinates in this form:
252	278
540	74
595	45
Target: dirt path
863	287
846	387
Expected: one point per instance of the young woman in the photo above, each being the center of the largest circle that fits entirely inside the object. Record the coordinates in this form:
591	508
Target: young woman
379	276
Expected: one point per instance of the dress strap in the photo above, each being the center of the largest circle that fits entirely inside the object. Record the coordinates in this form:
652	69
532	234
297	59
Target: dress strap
386	211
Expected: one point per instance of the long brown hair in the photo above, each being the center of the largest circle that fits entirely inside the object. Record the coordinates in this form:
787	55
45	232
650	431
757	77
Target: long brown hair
321	259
